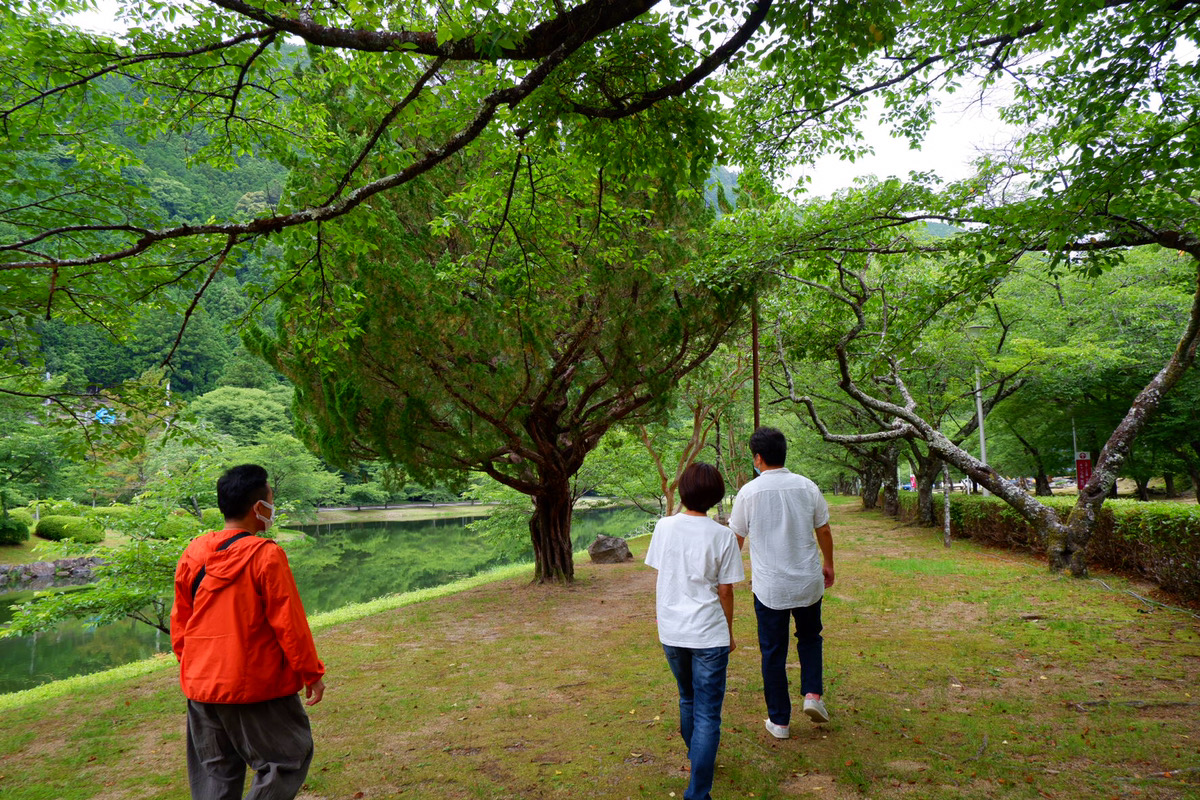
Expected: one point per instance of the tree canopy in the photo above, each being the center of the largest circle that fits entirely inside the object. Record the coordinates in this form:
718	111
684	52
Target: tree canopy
506	337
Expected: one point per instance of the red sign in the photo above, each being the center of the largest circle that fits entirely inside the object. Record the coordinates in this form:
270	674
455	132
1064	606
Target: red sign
1083	469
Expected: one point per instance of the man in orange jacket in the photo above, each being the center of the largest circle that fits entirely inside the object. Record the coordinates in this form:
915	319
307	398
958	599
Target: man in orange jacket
245	650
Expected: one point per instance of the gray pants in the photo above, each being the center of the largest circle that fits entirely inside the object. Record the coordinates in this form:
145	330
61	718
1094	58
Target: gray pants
273	738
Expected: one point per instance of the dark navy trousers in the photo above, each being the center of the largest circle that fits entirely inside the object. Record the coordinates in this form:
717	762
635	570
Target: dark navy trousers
774	627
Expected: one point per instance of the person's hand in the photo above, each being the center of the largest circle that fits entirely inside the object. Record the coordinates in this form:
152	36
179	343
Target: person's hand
827	571
315	691
732	643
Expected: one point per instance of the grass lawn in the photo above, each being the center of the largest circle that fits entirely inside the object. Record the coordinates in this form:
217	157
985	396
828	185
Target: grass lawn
22	553
962	673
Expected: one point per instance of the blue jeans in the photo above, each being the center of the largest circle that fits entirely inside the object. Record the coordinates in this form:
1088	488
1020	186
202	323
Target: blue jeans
701	678
774	625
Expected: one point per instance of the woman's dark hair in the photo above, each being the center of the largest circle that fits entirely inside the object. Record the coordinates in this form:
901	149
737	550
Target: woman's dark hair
770	444
240	488
701	487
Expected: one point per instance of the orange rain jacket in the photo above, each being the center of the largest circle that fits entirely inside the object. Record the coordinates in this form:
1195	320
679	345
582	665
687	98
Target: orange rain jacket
244	638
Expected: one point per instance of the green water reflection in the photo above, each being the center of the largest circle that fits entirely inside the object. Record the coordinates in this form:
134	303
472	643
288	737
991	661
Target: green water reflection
355	562
338	565
73	648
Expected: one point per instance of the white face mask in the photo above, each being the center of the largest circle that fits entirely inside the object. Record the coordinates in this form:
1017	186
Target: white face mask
266	520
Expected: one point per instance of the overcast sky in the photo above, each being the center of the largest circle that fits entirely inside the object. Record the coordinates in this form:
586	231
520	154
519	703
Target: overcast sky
959	134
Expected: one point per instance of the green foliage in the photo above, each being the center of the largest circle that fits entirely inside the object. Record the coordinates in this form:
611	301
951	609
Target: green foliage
1157	541
60	507
105	514
301	482
248	416
135	581
367	494
178	525
56	528
13	530
507	526
211	519
22	514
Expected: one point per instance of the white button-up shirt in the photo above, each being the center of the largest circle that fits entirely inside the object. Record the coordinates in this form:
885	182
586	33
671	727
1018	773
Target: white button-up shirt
777	513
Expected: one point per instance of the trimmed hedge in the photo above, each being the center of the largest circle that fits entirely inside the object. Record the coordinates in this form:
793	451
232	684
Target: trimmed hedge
1157	541
13	530
58	527
212	519
106	514
60	508
22	514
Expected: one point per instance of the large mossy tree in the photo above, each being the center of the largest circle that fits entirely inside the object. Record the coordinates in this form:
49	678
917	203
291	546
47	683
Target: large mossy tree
501	317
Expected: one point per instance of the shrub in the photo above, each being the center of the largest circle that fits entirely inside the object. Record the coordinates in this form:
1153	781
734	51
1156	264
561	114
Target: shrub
13	530
23	515
57	527
106	515
62	508
173	526
212	519
1157	541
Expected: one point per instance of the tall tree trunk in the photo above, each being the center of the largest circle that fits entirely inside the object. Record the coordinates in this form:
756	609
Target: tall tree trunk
1193	467
925	499
872	483
891	492
891	498
1194	476
1169	480
927	466
1041	484
550	532
1143	489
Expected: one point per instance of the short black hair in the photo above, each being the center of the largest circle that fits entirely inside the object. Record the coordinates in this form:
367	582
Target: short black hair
240	488
701	487
770	444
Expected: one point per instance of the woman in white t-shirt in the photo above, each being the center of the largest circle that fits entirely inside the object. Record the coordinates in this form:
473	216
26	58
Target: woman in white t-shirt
698	561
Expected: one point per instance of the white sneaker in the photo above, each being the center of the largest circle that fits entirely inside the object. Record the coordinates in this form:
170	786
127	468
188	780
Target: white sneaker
778	731
815	709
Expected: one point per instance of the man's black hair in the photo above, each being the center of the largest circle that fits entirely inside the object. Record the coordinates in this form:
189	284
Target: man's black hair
701	487
240	488
770	444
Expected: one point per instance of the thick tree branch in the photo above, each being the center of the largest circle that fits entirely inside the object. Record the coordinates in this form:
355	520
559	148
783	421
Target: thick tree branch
592	18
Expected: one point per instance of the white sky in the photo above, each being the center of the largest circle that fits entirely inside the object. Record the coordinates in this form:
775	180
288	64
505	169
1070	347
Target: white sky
959	135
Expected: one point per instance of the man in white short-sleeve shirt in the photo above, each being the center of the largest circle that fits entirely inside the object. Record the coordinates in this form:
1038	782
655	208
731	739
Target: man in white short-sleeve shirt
698	561
786	520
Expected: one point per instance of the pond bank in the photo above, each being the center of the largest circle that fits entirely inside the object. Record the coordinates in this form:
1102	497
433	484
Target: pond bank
48	574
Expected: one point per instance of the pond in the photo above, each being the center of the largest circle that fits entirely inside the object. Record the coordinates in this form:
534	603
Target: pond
337	565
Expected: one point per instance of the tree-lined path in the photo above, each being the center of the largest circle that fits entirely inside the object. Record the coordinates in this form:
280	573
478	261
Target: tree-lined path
967	673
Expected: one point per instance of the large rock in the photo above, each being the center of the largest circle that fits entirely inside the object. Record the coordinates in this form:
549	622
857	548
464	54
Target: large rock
609	550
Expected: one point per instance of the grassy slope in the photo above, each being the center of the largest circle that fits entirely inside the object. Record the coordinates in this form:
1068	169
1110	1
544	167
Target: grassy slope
937	685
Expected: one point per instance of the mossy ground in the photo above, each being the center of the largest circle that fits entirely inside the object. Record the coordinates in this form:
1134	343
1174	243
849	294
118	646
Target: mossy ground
961	673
